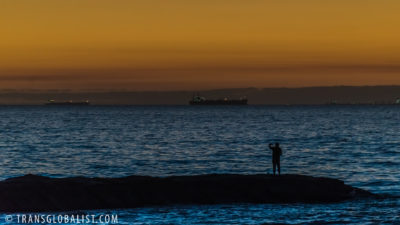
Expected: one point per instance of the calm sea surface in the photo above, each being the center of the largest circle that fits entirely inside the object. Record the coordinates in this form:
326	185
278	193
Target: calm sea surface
358	144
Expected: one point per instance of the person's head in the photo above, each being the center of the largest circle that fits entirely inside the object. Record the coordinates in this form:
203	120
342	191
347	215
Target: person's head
277	144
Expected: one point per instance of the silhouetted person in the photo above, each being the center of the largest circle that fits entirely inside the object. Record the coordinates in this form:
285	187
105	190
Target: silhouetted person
276	157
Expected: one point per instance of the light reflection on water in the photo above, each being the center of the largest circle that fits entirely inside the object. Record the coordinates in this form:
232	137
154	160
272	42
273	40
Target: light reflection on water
358	144
383	211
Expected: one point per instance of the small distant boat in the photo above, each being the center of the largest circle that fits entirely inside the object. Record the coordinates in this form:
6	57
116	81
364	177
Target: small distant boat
198	100
69	103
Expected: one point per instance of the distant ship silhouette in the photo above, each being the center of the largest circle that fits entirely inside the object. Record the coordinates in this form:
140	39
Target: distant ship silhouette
198	100
71	103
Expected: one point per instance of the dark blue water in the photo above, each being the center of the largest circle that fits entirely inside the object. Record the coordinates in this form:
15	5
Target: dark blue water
358	144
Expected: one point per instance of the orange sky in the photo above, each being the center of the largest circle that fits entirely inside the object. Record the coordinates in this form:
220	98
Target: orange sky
197	44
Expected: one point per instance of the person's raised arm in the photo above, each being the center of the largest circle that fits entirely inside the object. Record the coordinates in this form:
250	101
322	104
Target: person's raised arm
270	146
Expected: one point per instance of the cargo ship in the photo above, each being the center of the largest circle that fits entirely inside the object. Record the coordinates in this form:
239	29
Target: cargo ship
198	100
68	103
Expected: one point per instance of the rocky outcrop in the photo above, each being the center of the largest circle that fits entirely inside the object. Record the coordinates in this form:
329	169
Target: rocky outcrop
32	193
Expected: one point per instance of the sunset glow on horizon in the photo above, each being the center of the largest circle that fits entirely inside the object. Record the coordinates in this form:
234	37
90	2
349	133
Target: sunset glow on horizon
201	44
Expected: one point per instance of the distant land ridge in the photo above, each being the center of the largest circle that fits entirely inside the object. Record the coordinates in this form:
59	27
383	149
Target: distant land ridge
255	96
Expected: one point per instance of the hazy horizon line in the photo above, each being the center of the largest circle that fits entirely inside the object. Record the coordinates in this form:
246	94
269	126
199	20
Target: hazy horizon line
186	90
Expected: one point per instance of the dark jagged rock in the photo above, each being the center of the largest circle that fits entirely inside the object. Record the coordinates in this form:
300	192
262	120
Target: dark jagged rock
32	193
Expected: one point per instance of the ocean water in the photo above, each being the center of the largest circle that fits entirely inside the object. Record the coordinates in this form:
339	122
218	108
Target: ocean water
358	144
